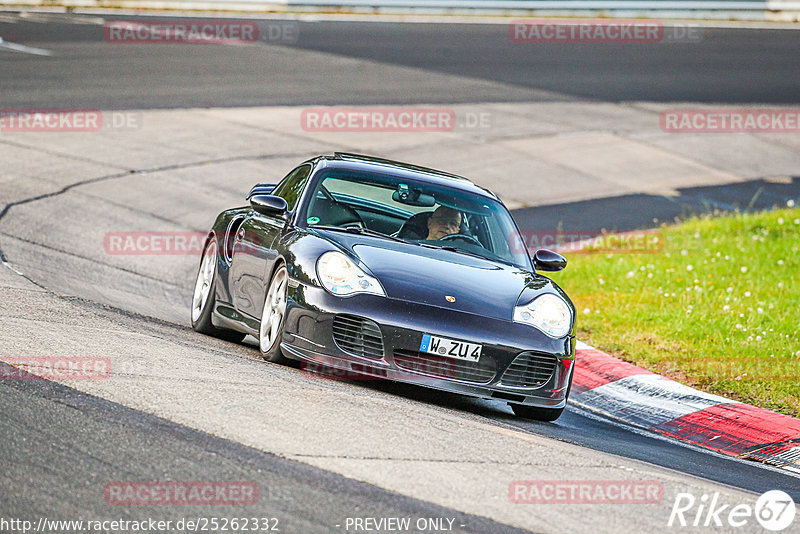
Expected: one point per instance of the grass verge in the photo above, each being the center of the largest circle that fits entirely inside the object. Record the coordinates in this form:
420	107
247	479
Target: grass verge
715	305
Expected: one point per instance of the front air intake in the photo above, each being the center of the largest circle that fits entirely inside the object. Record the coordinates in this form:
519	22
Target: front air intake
358	336
529	370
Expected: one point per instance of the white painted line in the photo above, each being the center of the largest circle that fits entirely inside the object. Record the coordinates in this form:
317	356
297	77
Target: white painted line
14	47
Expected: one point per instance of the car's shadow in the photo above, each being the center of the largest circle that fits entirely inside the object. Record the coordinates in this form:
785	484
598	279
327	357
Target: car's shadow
495	410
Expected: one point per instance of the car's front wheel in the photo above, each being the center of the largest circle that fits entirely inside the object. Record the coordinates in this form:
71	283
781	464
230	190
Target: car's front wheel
273	317
539	414
203	297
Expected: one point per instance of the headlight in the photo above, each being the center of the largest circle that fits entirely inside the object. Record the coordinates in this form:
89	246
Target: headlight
549	313
339	275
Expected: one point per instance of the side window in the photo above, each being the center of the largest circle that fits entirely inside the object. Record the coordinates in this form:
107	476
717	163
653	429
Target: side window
292	186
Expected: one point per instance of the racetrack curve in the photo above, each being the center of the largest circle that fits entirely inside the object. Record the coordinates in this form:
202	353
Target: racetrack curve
180	406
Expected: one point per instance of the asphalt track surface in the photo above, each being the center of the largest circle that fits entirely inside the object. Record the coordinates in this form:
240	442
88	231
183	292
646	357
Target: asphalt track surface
50	471
46	426
440	63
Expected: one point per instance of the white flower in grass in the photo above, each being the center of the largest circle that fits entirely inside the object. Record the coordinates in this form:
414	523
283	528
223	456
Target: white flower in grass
744	269
760	310
684	252
780	262
758	338
726	308
746	293
689	267
790	203
780	220
587	311
729	290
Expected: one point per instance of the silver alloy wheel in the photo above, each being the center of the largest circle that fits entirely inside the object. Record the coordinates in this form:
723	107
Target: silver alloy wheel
205	277
274	310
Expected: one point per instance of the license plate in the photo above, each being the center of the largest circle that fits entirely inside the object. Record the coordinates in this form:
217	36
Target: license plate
450	348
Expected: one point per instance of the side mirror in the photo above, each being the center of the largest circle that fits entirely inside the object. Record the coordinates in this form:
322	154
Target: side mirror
261	189
547	260
268	204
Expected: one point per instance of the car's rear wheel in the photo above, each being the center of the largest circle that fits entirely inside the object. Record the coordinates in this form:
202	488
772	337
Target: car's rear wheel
203	297
273	318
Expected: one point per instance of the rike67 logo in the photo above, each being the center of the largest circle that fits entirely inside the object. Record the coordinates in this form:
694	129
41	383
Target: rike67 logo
774	511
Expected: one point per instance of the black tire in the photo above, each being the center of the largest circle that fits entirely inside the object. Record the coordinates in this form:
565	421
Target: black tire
273	317
538	414
203	306
542	414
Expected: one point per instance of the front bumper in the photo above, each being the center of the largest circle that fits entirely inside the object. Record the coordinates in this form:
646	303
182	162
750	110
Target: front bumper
309	336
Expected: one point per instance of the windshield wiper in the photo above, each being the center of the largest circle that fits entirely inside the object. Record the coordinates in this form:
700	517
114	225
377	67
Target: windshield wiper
360	231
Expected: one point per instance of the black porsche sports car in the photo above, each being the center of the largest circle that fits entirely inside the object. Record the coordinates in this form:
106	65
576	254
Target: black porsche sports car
393	271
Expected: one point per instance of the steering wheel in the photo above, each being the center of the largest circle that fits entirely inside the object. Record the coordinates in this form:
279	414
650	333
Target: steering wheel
465	237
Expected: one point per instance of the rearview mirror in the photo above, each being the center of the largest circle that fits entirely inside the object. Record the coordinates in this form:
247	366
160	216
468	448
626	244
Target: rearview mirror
268	204
412	197
547	260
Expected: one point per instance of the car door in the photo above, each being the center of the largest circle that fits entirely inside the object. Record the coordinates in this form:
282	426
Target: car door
254	249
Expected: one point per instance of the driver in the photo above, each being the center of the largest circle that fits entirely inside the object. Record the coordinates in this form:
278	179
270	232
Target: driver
444	221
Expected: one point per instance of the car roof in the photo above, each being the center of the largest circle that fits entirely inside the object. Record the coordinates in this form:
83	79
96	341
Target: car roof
360	162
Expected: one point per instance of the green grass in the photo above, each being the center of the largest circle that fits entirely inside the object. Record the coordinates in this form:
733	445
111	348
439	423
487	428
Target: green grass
717	308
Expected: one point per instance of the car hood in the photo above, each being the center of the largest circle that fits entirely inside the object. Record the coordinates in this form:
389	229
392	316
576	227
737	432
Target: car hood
429	276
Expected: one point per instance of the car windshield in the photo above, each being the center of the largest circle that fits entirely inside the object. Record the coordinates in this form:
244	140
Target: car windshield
417	212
